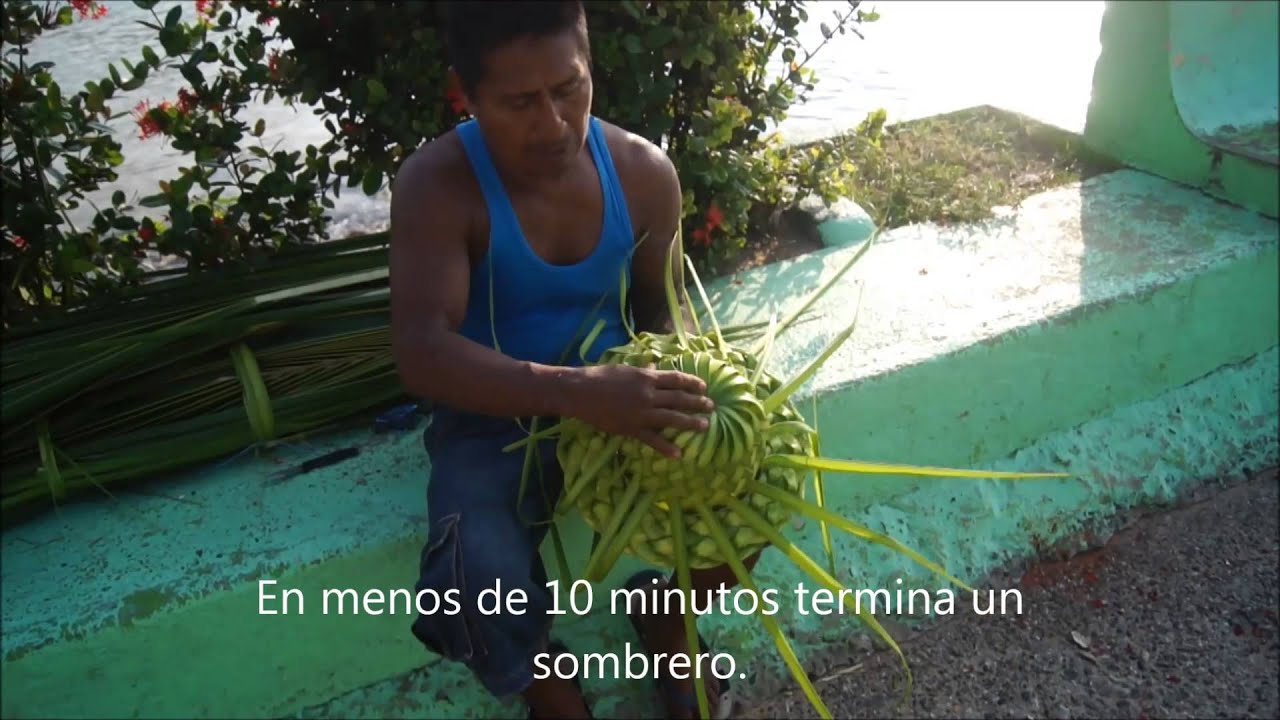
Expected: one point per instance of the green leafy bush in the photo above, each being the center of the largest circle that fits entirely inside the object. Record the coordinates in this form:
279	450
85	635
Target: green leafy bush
227	203
691	76
54	150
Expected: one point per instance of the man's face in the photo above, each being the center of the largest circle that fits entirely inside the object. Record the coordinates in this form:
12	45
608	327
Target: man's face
533	103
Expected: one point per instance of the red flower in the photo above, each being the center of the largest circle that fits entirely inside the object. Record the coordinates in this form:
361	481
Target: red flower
205	7
88	9
146	234
147	125
714	217
19	242
456	101
187	101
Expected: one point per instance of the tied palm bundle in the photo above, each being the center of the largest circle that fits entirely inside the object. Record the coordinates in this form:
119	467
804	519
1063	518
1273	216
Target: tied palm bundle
187	370
736	484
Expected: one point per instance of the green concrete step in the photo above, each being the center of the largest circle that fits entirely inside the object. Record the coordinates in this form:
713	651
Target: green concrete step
996	345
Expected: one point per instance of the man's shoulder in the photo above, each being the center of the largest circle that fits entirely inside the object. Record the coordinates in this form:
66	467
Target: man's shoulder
435	195
436	158
438	166
635	155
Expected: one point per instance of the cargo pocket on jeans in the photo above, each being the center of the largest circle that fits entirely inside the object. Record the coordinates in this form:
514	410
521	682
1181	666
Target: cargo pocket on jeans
445	632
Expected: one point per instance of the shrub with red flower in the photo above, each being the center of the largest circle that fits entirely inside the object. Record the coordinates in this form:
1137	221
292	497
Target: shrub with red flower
89	9
187	101
273	64
715	218
151	120
148	122
266	18
373	72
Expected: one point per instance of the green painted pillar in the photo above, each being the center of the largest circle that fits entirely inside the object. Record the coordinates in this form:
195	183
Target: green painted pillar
1190	91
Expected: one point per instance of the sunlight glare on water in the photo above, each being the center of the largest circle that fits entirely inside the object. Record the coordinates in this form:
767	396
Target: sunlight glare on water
923	58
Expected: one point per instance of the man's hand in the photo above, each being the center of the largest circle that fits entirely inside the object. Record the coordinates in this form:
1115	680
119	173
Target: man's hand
640	403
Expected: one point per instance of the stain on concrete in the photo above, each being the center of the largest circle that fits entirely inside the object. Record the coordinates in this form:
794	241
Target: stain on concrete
141	605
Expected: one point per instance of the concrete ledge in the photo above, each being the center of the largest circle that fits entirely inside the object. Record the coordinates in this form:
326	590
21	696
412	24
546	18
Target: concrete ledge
1146	453
1065	334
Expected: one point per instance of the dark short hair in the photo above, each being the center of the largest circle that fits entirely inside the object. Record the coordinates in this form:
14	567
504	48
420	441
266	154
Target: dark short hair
475	28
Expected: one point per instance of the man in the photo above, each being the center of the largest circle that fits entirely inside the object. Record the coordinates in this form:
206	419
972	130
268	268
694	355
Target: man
506	234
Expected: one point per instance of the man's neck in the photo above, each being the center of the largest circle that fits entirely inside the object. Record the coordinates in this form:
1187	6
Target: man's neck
545	183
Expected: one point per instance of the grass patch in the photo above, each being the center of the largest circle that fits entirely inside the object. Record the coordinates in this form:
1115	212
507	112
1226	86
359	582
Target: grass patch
957	167
952	168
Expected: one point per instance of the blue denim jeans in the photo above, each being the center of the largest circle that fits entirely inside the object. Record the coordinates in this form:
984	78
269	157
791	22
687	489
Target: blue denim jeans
477	539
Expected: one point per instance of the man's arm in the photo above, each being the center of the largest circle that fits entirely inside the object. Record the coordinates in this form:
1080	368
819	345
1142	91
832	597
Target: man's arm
430	279
649	267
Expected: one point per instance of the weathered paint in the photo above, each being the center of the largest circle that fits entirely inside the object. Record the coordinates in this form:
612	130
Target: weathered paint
1028	342
1187	91
1225	74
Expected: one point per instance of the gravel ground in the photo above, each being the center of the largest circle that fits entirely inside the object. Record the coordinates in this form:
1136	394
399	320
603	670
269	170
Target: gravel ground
1173	617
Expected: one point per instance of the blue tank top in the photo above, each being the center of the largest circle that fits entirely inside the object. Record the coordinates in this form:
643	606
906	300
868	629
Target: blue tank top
542	312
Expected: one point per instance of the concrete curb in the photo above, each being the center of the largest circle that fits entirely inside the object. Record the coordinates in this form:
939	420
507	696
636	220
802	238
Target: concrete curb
844	223
1058	336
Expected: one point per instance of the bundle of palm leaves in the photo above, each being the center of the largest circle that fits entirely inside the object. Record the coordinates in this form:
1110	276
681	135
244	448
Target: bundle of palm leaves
190	369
